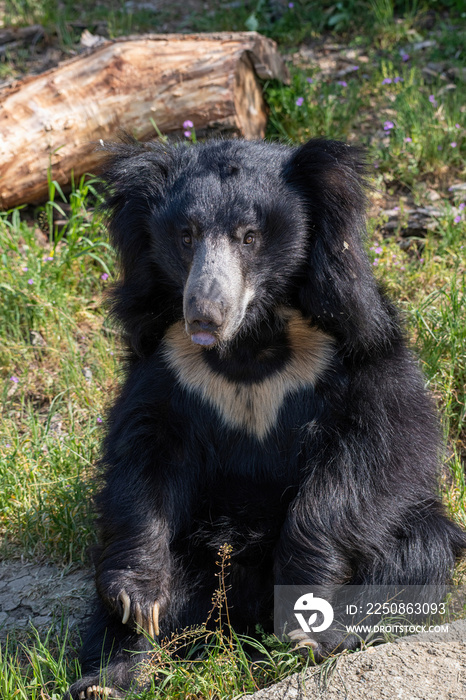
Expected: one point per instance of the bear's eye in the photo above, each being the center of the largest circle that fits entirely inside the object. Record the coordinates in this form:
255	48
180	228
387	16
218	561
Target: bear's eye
249	238
187	239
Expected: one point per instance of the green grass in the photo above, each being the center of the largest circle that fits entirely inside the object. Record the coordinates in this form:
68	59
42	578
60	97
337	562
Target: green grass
217	663
59	358
387	21
414	132
44	668
57	365
38	670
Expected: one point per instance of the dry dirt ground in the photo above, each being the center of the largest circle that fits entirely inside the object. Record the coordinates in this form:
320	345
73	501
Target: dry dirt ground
43	595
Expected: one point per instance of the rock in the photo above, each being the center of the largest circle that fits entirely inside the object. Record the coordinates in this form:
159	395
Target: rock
90	41
427	44
36	339
419	667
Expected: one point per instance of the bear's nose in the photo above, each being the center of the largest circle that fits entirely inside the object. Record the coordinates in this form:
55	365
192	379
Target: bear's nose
205	314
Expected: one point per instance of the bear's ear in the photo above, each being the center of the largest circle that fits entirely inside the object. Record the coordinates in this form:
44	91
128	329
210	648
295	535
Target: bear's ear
337	288
134	179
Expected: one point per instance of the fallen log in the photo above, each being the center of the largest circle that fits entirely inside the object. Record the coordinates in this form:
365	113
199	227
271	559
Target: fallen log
57	118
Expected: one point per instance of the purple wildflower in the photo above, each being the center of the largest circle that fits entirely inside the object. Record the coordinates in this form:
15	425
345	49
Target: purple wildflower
354	67
15	380
343	83
291	5
457	219
462	206
398	79
187	134
99	419
309	80
386	81
31	281
299	101
453	144
408	139
376	262
405	57
378	250
388	125
432	100
188	124
457	126
104	276
25	269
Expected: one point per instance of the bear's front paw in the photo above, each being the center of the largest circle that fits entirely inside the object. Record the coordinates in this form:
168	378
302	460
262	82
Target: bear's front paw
143	616
96	692
93	688
328	645
135	601
304	643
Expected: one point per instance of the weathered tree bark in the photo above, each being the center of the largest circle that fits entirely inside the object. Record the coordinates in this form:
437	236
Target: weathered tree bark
57	118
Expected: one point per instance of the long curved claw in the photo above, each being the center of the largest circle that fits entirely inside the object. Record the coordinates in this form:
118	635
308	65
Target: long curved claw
149	623
95	692
125	599
302	640
138	617
155	618
306	643
296	634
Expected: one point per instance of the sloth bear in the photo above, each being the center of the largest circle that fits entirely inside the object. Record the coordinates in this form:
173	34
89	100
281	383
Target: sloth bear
270	399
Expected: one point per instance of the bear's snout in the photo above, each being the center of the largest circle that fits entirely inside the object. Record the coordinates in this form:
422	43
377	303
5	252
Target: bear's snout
204	319
214	291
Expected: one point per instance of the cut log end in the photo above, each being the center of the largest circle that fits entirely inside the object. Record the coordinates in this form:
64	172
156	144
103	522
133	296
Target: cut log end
249	102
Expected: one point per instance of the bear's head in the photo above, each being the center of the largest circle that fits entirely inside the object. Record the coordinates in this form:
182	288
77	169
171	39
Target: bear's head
222	233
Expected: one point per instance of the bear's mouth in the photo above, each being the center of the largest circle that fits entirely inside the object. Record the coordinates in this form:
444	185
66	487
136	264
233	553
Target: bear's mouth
204	338
204	333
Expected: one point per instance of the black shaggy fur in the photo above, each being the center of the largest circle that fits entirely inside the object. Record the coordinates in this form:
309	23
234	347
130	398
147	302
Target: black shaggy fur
327	478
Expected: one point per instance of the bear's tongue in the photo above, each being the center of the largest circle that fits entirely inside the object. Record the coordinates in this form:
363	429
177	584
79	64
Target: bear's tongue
203	338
